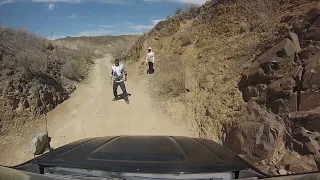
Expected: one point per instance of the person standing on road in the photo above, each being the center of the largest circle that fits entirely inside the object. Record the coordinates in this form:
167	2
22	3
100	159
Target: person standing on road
118	75
150	60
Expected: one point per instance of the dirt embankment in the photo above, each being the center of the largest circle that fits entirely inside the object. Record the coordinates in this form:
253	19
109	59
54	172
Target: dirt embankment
200	55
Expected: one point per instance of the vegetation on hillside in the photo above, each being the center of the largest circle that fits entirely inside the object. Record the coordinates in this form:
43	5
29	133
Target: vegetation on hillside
202	52
114	45
36	75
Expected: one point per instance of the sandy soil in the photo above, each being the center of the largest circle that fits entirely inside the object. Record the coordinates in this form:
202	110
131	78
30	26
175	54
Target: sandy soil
90	112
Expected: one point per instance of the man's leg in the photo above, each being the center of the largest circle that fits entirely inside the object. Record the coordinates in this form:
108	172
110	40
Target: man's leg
152	70
115	88
150	67
124	91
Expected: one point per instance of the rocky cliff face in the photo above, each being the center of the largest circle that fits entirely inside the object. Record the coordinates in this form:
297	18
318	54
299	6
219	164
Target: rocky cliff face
281	88
31	77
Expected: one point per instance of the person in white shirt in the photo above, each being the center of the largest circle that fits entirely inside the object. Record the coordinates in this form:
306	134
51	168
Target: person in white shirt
150	61
118	75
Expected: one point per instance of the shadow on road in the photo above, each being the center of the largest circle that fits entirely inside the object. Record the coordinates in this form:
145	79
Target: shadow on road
121	96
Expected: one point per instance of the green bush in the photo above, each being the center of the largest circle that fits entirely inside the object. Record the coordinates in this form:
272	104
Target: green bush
178	11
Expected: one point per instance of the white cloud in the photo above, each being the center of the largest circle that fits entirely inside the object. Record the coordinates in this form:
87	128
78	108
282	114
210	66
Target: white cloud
155	22
2	2
198	2
143	27
140	27
51	6
73	16
79	1
100	32
108	26
54	1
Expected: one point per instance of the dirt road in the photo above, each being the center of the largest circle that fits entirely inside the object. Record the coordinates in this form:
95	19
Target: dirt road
90	112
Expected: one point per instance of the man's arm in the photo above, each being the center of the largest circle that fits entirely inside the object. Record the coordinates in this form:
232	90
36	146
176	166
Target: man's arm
125	74
111	74
147	59
153	58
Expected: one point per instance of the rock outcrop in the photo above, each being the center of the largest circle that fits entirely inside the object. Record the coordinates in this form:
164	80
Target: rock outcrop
282	91
30	76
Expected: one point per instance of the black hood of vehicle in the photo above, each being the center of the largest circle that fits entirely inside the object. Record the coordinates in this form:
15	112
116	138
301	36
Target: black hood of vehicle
144	154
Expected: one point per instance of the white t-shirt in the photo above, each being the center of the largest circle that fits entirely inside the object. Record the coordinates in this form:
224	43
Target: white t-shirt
117	72
150	57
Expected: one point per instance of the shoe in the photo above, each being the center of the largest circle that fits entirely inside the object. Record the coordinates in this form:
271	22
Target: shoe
127	102
115	99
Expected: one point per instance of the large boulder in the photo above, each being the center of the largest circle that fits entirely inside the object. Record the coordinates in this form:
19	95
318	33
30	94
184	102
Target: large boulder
307	142
309	100
313	32
295	39
266	67
307	119
39	143
258	135
284	49
311	76
284	106
296	163
281	88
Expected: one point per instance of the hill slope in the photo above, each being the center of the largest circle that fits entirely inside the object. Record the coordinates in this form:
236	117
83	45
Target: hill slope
37	74
200	55
114	45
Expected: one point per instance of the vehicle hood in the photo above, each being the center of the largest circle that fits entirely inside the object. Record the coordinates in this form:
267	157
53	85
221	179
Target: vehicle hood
145	154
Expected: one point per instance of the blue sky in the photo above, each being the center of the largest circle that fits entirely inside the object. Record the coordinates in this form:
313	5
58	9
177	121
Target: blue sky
87	17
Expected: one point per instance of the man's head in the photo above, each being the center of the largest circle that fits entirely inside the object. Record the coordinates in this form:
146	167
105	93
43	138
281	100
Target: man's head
116	62
149	49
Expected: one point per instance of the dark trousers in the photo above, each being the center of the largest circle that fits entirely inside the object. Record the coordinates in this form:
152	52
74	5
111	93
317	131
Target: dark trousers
151	70
123	88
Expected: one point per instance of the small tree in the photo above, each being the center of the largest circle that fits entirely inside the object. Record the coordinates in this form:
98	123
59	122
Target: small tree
191	7
178	11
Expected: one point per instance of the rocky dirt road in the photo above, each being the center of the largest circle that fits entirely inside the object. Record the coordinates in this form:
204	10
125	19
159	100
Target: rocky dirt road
90	112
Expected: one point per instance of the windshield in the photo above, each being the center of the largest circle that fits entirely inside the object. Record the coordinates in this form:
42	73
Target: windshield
238	80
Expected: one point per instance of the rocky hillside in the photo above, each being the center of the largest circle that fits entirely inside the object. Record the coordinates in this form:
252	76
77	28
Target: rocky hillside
282	90
37	74
242	73
114	45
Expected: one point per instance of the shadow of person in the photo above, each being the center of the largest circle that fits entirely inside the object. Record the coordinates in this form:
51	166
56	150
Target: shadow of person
121	96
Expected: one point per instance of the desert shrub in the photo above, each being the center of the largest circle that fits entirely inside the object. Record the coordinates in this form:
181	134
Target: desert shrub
191	7
178	11
186	39
88	55
172	82
261	13
33	62
74	69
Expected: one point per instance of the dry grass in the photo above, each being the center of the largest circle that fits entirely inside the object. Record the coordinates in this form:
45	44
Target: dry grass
171	83
262	14
33	62
186	39
32	53
74	70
